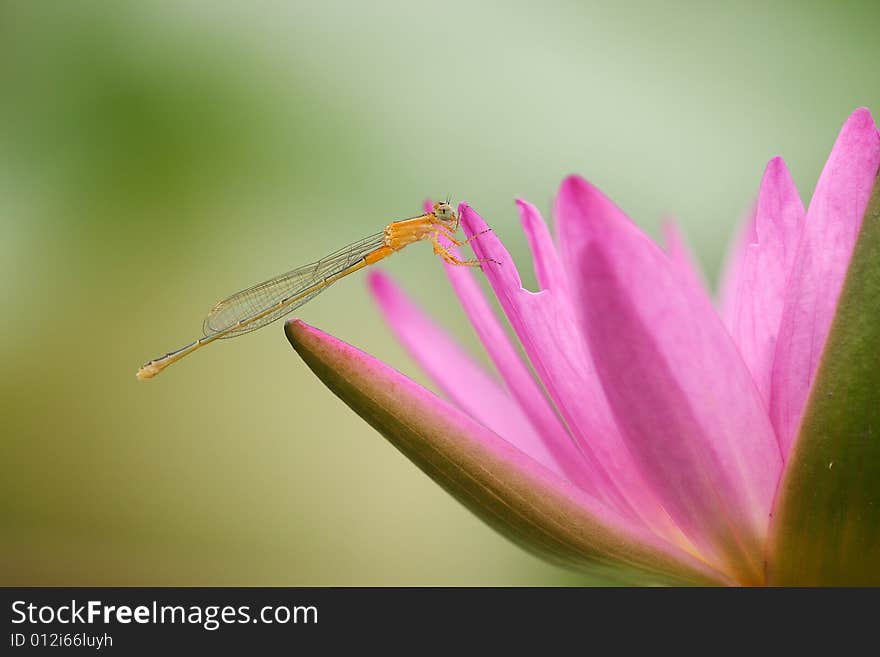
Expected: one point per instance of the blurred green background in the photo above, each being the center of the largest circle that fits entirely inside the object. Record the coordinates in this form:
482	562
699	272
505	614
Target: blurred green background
156	156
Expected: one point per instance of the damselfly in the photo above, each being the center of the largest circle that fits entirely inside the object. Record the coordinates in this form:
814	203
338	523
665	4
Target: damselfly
262	304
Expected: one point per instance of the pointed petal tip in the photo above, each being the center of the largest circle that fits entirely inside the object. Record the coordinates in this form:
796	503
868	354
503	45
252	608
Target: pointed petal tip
859	125
776	176
528	213
775	165
578	186
295	329
303	336
377	279
381	287
861	116
777	186
572	186
471	219
583	214
573	180
545	256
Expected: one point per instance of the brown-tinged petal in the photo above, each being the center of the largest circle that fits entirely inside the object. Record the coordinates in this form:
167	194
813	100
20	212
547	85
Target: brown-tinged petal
506	488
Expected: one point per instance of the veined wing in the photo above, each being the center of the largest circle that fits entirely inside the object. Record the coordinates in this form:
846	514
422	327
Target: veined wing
303	282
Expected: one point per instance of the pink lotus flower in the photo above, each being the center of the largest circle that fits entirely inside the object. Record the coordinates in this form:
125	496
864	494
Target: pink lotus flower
659	438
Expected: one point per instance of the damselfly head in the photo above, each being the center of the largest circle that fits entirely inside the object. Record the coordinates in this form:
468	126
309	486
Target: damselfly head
444	212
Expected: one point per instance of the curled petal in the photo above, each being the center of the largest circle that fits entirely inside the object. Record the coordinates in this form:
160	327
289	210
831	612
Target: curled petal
682	397
830	230
509	490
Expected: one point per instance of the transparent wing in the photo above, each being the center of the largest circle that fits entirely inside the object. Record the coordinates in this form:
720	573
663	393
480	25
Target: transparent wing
250	304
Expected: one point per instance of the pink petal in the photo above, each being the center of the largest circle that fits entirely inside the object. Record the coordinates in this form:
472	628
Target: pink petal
512	492
681	395
460	379
548	266
548	331
519	381
757	306
830	230
680	253
732	270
